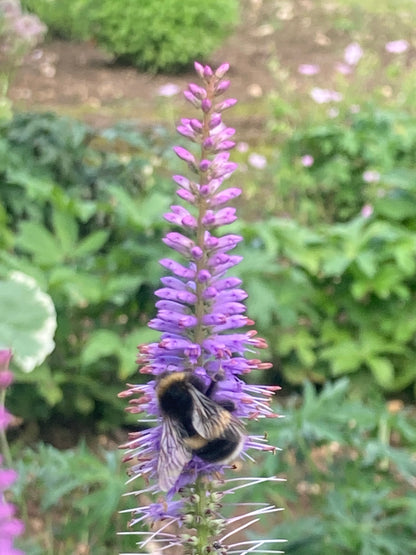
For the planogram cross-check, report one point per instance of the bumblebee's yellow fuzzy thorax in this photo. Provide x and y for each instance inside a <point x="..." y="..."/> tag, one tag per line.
<point x="168" y="379"/>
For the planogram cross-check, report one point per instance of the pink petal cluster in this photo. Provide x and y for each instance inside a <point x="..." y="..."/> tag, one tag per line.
<point x="323" y="96"/>
<point x="371" y="176"/>
<point x="397" y="46"/>
<point x="367" y="211"/>
<point x="353" y="54"/>
<point x="307" y="160"/>
<point x="309" y="69"/>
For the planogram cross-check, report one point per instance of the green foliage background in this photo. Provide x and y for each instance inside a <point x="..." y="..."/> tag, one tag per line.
<point x="334" y="295"/>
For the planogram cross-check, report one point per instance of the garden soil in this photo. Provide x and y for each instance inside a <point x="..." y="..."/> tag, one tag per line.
<point x="80" y="80"/>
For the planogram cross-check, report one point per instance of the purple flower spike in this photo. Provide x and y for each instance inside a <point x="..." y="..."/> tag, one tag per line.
<point x="196" y="395"/>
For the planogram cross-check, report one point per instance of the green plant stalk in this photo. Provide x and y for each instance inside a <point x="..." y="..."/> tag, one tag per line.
<point x="384" y="437"/>
<point x="4" y="445"/>
<point x="205" y="527"/>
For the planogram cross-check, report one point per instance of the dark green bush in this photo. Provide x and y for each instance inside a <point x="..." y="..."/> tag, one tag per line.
<point x="162" y="36"/>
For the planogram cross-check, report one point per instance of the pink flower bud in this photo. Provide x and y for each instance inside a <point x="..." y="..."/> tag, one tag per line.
<point x="222" y="70"/>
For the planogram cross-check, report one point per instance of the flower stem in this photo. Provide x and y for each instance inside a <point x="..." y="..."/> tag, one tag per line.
<point x="205" y="523"/>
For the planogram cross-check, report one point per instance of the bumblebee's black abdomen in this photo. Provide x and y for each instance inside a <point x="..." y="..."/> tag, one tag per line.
<point x="218" y="450"/>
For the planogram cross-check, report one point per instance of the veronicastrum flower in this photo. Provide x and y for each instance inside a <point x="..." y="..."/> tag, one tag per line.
<point x="200" y="315"/>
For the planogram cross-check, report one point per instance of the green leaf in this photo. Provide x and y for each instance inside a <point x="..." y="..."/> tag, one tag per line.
<point x="28" y="320"/>
<point x="367" y="263"/>
<point x="128" y="350"/>
<point x="100" y="344"/>
<point x="38" y="241"/>
<point x="383" y="370"/>
<point x="91" y="244"/>
<point x="66" y="230"/>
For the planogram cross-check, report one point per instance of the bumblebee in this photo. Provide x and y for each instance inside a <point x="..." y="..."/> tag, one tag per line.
<point x="193" y="424"/>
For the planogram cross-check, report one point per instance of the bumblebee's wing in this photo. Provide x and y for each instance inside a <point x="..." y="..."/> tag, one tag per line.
<point x="208" y="417"/>
<point x="173" y="454"/>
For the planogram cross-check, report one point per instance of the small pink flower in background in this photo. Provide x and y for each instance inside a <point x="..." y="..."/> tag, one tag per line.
<point x="397" y="46"/>
<point x="307" y="160"/>
<point x="10" y="8"/>
<point x="342" y="68"/>
<point x="322" y="96"/>
<point x="353" y="54"/>
<point x="258" y="161"/>
<point x="355" y="108"/>
<point x="29" y="27"/>
<point x="367" y="210"/>
<point x="309" y="69"/>
<point x="170" y="89"/>
<point x="333" y="112"/>
<point x="371" y="176"/>
<point x="242" y="146"/>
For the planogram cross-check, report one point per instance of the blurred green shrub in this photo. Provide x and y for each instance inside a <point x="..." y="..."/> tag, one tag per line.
<point x="154" y="36"/>
<point x="82" y="213"/>
<point x="162" y="36"/>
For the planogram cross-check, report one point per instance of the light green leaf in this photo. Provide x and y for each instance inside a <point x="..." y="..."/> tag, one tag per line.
<point x="128" y="351"/>
<point x="37" y="240"/>
<point x="66" y="230"/>
<point x="100" y="344"/>
<point x="91" y="244"/>
<point x="382" y="370"/>
<point x="28" y="320"/>
<point x="366" y="261"/>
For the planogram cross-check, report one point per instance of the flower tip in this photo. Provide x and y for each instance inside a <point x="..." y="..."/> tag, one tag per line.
<point x="198" y="67"/>
<point x="222" y="70"/>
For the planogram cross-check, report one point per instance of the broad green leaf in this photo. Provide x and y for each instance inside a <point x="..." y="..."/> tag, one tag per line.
<point x="383" y="370"/>
<point x="335" y="263"/>
<point x="38" y="241"/>
<point x="343" y="357"/>
<point x="28" y="320"/>
<point x="367" y="263"/>
<point x="100" y="344"/>
<point x="128" y="350"/>
<point x="66" y="230"/>
<point x="91" y="244"/>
